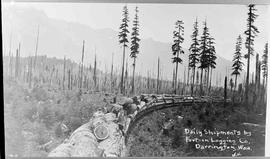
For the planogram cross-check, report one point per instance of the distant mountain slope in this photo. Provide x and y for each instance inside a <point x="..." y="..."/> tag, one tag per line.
<point x="58" y="38"/>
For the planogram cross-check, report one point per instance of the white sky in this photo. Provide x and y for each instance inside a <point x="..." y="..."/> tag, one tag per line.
<point x="226" y="22"/>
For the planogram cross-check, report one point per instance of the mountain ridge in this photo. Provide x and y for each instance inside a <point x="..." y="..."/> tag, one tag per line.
<point x="59" y="38"/>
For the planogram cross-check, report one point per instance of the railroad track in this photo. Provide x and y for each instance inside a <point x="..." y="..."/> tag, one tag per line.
<point x="158" y="102"/>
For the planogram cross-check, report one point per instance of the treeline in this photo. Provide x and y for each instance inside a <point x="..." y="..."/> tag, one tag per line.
<point x="64" y="74"/>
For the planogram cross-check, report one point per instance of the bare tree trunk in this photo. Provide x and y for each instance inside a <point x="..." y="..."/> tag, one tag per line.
<point x="201" y="83"/>
<point x="207" y="82"/>
<point x="176" y="71"/>
<point x="210" y="82"/>
<point x="258" y="73"/>
<point x="24" y="74"/>
<point x="11" y="65"/>
<point x="148" y="80"/>
<point x="257" y="83"/>
<point x="64" y="73"/>
<point x="19" y="61"/>
<point x="235" y="85"/>
<point x="112" y="83"/>
<point x="122" y="74"/>
<point x="95" y="72"/>
<point x="84" y="81"/>
<point x="173" y="79"/>
<point x="69" y="80"/>
<point x="252" y="78"/>
<point x="197" y="82"/>
<point x="36" y="50"/>
<point x="184" y="83"/>
<point x="225" y="90"/>
<point x="17" y="64"/>
<point x="193" y="80"/>
<point x="9" y="71"/>
<point x="56" y="77"/>
<point x="81" y="73"/>
<point x="133" y="76"/>
<point x="158" y="77"/>
<point x="188" y="76"/>
<point x="126" y="83"/>
<point x="30" y="72"/>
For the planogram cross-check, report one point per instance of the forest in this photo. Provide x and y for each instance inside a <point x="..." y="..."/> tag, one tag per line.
<point x="43" y="94"/>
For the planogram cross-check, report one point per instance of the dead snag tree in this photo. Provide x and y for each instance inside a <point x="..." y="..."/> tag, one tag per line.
<point x="69" y="80"/>
<point x="225" y="90"/>
<point x="81" y="70"/>
<point x="30" y="65"/>
<point x="177" y="48"/>
<point x="251" y="32"/>
<point x="134" y="46"/>
<point x="111" y="80"/>
<point x="11" y="64"/>
<point x="265" y="64"/>
<point x="194" y="53"/>
<point x="64" y="73"/>
<point x="17" y="63"/>
<point x="36" y="49"/>
<point x="123" y="40"/>
<point x="95" y="72"/>
<point x="9" y="72"/>
<point x="158" y="71"/>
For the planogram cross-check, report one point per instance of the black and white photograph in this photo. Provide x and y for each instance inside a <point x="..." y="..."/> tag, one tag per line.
<point x="134" y="79"/>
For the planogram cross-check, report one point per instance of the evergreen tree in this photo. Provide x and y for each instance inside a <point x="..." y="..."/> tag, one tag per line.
<point x="123" y="40"/>
<point x="211" y="54"/>
<point x="265" y="63"/>
<point x="177" y="48"/>
<point x="134" y="45"/>
<point x="251" y="32"/>
<point x="194" y="53"/>
<point x="204" y="53"/>
<point x="237" y="63"/>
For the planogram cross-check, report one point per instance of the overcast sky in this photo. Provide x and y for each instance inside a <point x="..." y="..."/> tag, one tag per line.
<point x="225" y="22"/>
